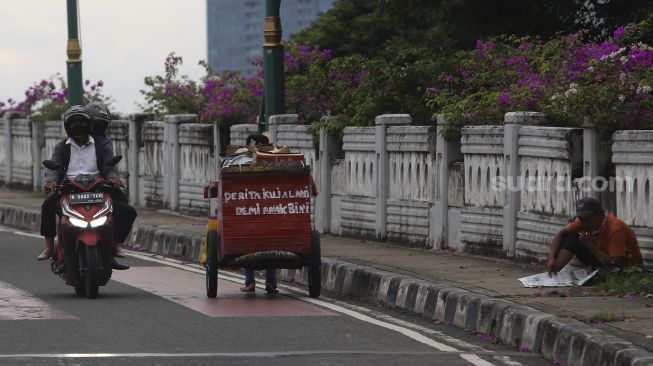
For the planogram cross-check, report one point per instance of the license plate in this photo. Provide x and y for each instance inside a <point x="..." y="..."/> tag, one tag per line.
<point x="85" y="198"/>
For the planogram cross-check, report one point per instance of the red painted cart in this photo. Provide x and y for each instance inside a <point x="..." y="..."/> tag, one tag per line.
<point x="263" y="221"/>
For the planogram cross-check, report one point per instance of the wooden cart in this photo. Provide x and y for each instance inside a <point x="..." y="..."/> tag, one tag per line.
<point x="263" y="220"/>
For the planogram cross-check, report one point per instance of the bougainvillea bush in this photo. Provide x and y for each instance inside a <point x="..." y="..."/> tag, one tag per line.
<point x="315" y="86"/>
<point x="352" y="89"/>
<point x="571" y="81"/>
<point x="48" y="99"/>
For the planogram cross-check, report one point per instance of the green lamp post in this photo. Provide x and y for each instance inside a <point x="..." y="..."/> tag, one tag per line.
<point x="273" y="83"/>
<point x="74" y="62"/>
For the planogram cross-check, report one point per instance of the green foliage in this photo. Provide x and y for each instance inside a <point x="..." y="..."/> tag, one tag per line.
<point x="627" y="283"/>
<point x="566" y="78"/>
<point x="226" y="98"/>
<point x="381" y="28"/>
<point x="356" y="89"/>
<point x="171" y="93"/>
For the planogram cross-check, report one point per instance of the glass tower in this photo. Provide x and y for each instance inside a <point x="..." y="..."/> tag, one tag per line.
<point x="235" y="29"/>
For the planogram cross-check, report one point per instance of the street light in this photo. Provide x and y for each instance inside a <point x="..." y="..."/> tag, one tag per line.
<point x="273" y="83"/>
<point x="74" y="62"/>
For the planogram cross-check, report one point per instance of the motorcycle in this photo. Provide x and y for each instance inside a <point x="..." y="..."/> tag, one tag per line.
<point x="83" y="248"/>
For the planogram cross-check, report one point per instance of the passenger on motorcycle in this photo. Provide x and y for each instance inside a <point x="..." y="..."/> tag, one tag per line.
<point x="81" y="153"/>
<point x="101" y="117"/>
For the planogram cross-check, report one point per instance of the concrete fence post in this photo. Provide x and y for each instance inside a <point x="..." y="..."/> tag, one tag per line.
<point x="172" y="153"/>
<point x="135" y="127"/>
<point x="328" y="148"/>
<point x="383" y="168"/>
<point x="281" y="119"/>
<point x="446" y="152"/>
<point x="513" y="122"/>
<point x="38" y="142"/>
<point x="590" y="158"/>
<point x="9" y="150"/>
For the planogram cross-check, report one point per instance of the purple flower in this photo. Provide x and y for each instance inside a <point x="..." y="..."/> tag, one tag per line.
<point x="526" y="47"/>
<point x="87" y="82"/>
<point x="524" y="350"/>
<point x="618" y="33"/>
<point x="432" y="90"/>
<point x="480" y="52"/>
<point x="504" y="98"/>
<point x="326" y="55"/>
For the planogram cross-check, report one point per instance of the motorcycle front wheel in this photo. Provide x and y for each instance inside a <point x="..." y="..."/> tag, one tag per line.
<point x="92" y="275"/>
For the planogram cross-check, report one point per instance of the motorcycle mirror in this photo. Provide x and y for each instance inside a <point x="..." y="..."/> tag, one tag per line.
<point x="52" y="165"/>
<point x="116" y="159"/>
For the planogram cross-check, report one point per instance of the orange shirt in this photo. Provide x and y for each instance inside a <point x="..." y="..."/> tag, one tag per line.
<point x="616" y="239"/>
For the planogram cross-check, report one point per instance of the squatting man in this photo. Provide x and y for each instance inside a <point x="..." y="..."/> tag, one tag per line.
<point x="597" y="239"/>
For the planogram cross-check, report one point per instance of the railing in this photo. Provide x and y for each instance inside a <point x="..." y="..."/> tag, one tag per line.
<point x="388" y="182"/>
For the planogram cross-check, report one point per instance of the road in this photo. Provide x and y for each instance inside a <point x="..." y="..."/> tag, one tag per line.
<point x="157" y="313"/>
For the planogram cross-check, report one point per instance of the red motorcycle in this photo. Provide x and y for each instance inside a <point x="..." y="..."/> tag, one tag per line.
<point x="83" y="249"/>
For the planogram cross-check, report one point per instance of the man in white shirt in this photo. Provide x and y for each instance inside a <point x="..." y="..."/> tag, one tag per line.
<point x="80" y="154"/>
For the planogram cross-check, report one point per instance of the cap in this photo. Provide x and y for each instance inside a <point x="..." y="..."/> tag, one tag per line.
<point x="587" y="207"/>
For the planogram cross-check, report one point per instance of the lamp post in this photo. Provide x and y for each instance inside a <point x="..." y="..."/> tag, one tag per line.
<point x="273" y="83"/>
<point x="74" y="62"/>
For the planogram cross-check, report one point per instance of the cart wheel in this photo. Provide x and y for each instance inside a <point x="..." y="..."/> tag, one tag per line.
<point x="315" y="266"/>
<point x="212" y="265"/>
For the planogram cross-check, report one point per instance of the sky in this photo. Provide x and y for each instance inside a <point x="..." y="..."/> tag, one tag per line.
<point x="122" y="42"/>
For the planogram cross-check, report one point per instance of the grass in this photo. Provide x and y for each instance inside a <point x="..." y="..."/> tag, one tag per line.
<point x="607" y="317"/>
<point x="624" y="282"/>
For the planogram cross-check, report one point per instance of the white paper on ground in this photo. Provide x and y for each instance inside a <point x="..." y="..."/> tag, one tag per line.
<point x="578" y="277"/>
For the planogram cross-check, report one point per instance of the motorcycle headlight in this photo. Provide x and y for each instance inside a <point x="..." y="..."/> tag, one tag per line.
<point x="77" y="222"/>
<point x="99" y="221"/>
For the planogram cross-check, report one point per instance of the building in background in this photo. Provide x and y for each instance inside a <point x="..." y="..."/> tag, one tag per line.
<point x="235" y="29"/>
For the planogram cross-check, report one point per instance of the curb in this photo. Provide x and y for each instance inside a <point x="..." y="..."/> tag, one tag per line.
<point x="565" y="341"/>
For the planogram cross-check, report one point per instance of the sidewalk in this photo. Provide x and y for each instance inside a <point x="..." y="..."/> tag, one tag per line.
<point x="418" y="280"/>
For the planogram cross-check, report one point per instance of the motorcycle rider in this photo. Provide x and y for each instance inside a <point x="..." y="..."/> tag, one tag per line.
<point x="79" y="154"/>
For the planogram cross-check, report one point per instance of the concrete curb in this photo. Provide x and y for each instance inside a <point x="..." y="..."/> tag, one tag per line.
<point x="563" y="340"/>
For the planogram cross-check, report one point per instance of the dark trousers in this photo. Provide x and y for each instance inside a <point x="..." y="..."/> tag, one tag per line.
<point x="572" y="243"/>
<point x="123" y="215"/>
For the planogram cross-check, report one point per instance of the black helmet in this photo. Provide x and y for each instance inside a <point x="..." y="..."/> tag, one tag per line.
<point x="76" y="112"/>
<point x="100" y="116"/>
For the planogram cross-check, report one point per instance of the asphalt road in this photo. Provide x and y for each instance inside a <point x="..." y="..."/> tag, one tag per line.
<point x="157" y="313"/>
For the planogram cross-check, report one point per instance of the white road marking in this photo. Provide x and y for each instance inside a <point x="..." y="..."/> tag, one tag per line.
<point x="475" y="360"/>
<point x="216" y="354"/>
<point x="508" y="361"/>
<point x="7" y="230"/>
<point x="403" y="323"/>
<point x="16" y="304"/>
